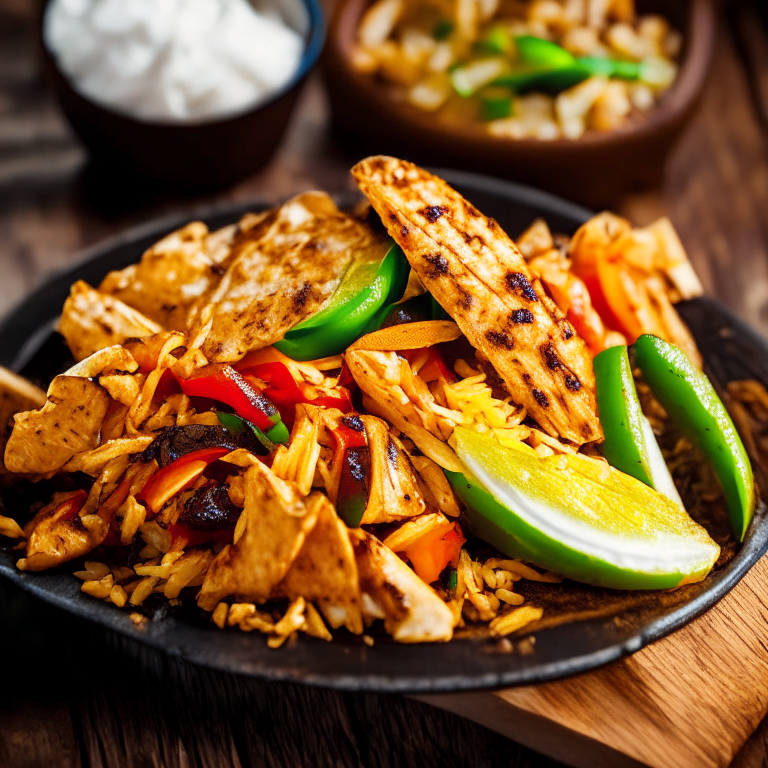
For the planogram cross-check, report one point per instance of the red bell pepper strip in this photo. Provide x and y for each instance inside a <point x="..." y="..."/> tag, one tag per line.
<point x="69" y="508"/>
<point x="431" y="553"/>
<point x="285" y="393"/>
<point x="352" y="462"/>
<point x="177" y="477"/>
<point x="225" y="385"/>
<point x="168" y="385"/>
<point x="350" y="435"/>
<point x="352" y="496"/>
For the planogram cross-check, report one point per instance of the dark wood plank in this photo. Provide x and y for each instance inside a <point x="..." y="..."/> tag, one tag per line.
<point x="74" y="695"/>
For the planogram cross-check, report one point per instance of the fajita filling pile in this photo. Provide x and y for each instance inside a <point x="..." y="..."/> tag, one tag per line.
<point x="316" y="419"/>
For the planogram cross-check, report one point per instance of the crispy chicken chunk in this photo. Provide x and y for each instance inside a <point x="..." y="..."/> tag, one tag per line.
<point x="92" y="320"/>
<point x="412" y="611"/>
<point x="480" y="278"/>
<point x="173" y="274"/>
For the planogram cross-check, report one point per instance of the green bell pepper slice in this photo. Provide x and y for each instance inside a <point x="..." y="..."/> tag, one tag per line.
<point x="236" y="425"/>
<point x="496" y="41"/>
<point x="367" y="286"/>
<point x="630" y="444"/>
<point x="693" y="405"/>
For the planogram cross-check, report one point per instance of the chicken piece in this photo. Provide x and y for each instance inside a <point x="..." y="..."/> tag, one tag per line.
<point x="480" y="278"/>
<point x="56" y="535"/>
<point x="269" y="535"/>
<point x="412" y="611"/>
<point x="392" y="391"/>
<point x="16" y="395"/>
<point x="91" y="321"/>
<point x="325" y="572"/>
<point x="281" y="276"/>
<point x="172" y="274"/>
<point x="394" y="492"/>
<point x="69" y="422"/>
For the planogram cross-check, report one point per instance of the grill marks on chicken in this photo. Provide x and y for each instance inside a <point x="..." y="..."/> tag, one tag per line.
<point x="480" y="278"/>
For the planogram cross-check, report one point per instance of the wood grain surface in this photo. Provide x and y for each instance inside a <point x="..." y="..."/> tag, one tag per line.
<point x="76" y="696"/>
<point x="691" y="700"/>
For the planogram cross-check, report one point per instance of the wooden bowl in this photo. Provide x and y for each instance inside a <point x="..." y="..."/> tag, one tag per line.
<point x="208" y="154"/>
<point x="594" y="170"/>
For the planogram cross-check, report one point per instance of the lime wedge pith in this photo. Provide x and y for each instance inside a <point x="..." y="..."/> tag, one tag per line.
<point x="578" y="517"/>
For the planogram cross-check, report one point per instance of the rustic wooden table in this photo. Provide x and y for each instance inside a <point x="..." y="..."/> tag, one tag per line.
<point x="73" y="695"/>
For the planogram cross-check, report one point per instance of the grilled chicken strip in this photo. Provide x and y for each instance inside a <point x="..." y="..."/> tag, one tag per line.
<point x="479" y="277"/>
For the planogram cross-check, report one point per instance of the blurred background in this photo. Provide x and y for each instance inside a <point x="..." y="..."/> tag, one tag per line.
<point x="55" y="201"/>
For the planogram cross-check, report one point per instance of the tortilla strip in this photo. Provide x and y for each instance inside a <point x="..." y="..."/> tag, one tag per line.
<point x="269" y="536"/>
<point x="412" y="611"/>
<point x="16" y="395"/>
<point x="172" y="274"/>
<point x="325" y="572"/>
<point x="281" y="276"/>
<point x="478" y="275"/>
<point x="69" y="422"/>
<point x="91" y="321"/>
<point x="425" y="333"/>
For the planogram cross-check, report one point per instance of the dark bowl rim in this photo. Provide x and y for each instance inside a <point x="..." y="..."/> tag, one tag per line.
<point x="316" y="36"/>
<point x="678" y="99"/>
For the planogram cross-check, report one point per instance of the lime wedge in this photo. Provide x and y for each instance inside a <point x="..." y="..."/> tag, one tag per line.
<point x="578" y="517"/>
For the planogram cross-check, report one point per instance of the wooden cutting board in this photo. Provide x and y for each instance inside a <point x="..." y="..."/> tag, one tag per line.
<point x="690" y="700"/>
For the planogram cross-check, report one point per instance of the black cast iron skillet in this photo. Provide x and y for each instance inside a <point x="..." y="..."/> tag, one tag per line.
<point x="731" y="350"/>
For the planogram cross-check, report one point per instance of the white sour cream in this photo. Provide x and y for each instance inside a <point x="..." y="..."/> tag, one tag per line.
<point x="172" y="60"/>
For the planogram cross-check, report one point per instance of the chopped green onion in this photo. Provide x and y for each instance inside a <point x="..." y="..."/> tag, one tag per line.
<point x="443" y="30"/>
<point x="496" y="103"/>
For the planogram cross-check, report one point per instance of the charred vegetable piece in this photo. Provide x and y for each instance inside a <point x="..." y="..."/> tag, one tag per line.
<point x="352" y="496"/>
<point x="225" y="385"/>
<point x="243" y="430"/>
<point x="630" y="444"/>
<point x="367" y="286"/>
<point x="693" y="405"/>
<point x="177" y="477"/>
<point x="174" y="442"/>
<point x="568" y="514"/>
<point x="210" y="509"/>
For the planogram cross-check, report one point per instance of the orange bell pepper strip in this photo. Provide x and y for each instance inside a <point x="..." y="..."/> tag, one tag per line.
<point x="431" y="553"/>
<point x="177" y="477"/>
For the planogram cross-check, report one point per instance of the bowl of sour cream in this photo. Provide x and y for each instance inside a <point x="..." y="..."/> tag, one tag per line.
<point x="196" y="92"/>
